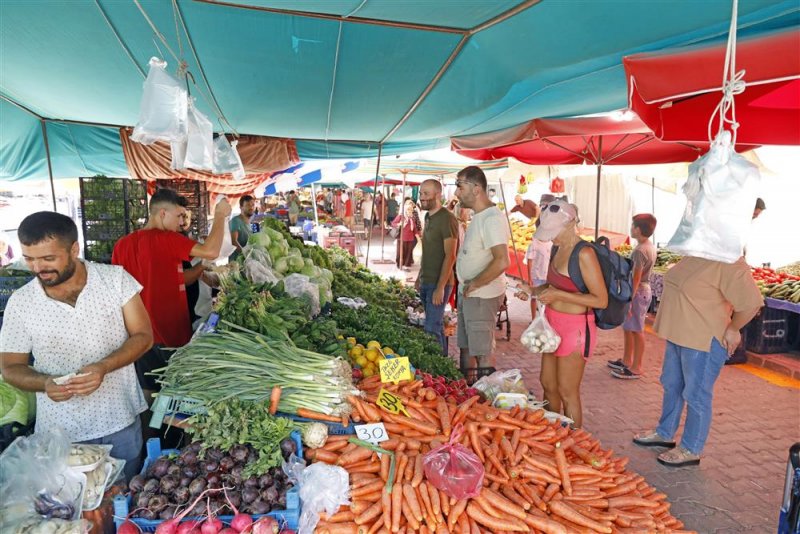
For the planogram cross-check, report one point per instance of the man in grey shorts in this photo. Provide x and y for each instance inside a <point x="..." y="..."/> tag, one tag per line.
<point x="480" y="267"/>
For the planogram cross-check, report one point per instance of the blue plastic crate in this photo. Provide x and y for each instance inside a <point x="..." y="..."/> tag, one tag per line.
<point x="333" y="428"/>
<point x="288" y="518"/>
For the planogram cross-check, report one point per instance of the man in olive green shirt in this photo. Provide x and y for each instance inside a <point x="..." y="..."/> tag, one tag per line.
<point x="439" y="246"/>
<point x="240" y="225"/>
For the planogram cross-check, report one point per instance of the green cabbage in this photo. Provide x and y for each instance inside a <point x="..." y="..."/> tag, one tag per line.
<point x="16" y="406"/>
<point x="296" y="263"/>
<point x="260" y="239"/>
<point x="281" y="265"/>
<point x="273" y="234"/>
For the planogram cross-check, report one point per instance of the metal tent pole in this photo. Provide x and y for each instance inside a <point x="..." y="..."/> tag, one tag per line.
<point x="402" y="211"/>
<point x="597" y="196"/>
<point x="511" y="232"/>
<point x="49" y="163"/>
<point x="314" y="203"/>
<point x="372" y="215"/>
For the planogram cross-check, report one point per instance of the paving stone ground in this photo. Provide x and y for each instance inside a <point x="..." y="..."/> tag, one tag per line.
<point x="738" y="486"/>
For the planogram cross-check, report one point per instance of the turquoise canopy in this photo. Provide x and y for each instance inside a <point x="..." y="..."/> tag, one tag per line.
<point x="342" y="77"/>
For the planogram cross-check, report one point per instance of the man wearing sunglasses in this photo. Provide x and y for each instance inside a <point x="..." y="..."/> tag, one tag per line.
<point x="480" y="267"/>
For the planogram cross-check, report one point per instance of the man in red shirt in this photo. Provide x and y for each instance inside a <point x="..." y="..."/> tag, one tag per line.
<point x="154" y="256"/>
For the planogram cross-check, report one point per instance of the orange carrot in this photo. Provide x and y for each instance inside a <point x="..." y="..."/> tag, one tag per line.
<point x="472" y="431"/>
<point x="563" y="469"/>
<point x="321" y="455"/>
<point x="544" y="524"/>
<point x="562" y="509"/>
<point x="376" y="526"/>
<point x="493" y="523"/>
<point x="400" y="460"/>
<point x="364" y="467"/>
<point x="409" y="515"/>
<point x="444" y="416"/>
<point x="310" y="414"/>
<point x="463" y="524"/>
<point x="442" y="529"/>
<point x="386" y="506"/>
<point x="397" y="507"/>
<point x="506" y="448"/>
<point x="425" y="500"/>
<point x="519" y="453"/>
<point x="373" y="497"/>
<point x="551" y="490"/>
<point x="511" y="494"/>
<point x="345" y="516"/>
<point x="444" y="502"/>
<point x="274" y="399"/>
<point x="418" y="472"/>
<point x="515" y="439"/>
<point x="338" y="528"/>
<point x="622" y="489"/>
<point x="386" y="462"/>
<point x="433" y="495"/>
<point x="367" y="489"/>
<point x="422" y="426"/>
<point x="370" y="514"/>
<point x="462" y="410"/>
<point x="455" y="511"/>
<point x="413" y="503"/>
<point x="481" y="501"/>
<point x="358" y="506"/>
<point x="359" y="454"/>
<point x="334" y="446"/>
<point x="361" y="481"/>
<point x="532" y="495"/>
<point x="501" y="503"/>
<point x="631" y="502"/>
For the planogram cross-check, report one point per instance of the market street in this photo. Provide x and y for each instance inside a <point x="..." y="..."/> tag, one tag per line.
<point x="739" y="484"/>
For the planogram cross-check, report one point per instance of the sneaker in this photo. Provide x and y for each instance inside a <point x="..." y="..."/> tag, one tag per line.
<point x="679" y="457"/>
<point x="615" y="364"/>
<point x="625" y="373"/>
<point x="652" y="439"/>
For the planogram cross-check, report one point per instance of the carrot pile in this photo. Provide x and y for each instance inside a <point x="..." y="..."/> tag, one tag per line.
<point x="539" y="476"/>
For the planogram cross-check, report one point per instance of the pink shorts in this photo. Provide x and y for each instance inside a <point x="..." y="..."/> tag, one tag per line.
<point x="572" y="330"/>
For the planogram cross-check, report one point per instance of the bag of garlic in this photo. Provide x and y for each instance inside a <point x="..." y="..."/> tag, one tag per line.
<point x="539" y="337"/>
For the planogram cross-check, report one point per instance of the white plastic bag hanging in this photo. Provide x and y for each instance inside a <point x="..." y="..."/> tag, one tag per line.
<point x="163" y="109"/>
<point x="199" y="141"/>
<point x="720" y="194"/>
<point x="226" y="158"/>
<point x="540" y="337"/>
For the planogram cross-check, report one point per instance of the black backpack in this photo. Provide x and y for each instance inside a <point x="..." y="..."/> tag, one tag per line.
<point x="618" y="275"/>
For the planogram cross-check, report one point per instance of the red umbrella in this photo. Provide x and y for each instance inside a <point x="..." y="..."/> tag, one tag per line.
<point x="675" y="92"/>
<point x="622" y="140"/>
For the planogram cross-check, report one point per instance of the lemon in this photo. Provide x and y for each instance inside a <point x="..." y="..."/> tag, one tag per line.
<point x="368" y="372"/>
<point x="350" y="340"/>
<point x="371" y="354"/>
<point x="362" y="361"/>
<point x="373" y="344"/>
<point x="357" y="351"/>
<point x="340" y="336"/>
<point x="387" y="350"/>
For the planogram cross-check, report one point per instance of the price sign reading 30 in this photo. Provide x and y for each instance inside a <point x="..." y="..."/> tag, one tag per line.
<point x="391" y="403"/>
<point x="375" y="433"/>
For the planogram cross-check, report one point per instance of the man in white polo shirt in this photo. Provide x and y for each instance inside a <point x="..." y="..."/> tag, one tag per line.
<point x="480" y="267"/>
<point x="82" y="318"/>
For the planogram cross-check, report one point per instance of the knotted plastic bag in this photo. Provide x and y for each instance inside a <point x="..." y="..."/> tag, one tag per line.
<point x="163" y="109"/>
<point x="540" y="337"/>
<point x="297" y="285"/>
<point x="323" y="488"/>
<point x="227" y="248"/>
<point x="199" y="141"/>
<point x="720" y="194"/>
<point x="454" y="469"/>
<point x="226" y="158"/>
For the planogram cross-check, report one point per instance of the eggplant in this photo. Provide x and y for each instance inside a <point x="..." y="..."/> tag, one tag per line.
<point x="197" y="486"/>
<point x="168" y="484"/>
<point x="226" y="463"/>
<point x="249" y="495"/>
<point x="160" y="467"/>
<point x="137" y="483"/>
<point x="181" y="495"/>
<point x="288" y="447"/>
<point x="151" y="486"/>
<point x="265" y="481"/>
<point x="260" y="507"/>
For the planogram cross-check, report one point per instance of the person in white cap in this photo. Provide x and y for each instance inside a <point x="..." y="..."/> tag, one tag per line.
<point x="569" y="312"/>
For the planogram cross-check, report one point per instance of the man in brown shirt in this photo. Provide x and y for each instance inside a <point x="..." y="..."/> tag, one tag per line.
<point x="704" y="305"/>
<point x="439" y="245"/>
<point x="526" y="207"/>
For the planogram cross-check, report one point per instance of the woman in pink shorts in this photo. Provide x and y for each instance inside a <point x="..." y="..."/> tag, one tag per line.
<point x="568" y="311"/>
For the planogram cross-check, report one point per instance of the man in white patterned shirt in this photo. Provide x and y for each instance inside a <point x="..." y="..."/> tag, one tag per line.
<point x="77" y="317"/>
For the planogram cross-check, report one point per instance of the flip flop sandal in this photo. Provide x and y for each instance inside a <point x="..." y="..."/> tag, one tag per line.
<point x="679" y="457"/>
<point x="652" y="439"/>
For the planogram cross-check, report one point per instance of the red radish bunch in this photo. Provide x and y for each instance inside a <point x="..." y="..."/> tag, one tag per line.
<point x="453" y="390"/>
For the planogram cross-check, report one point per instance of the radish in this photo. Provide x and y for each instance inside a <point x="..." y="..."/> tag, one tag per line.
<point x="265" y="525"/>
<point x="189" y="527"/>
<point x="240" y="521"/>
<point x="228" y="530"/>
<point x="170" y="526"/>
<point x="128" y="526"/>
<point x="211" y="525"/>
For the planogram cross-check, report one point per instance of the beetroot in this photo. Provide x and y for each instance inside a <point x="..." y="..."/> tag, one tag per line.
<point x="128" y="527"/>
<point x="240" y="521"/>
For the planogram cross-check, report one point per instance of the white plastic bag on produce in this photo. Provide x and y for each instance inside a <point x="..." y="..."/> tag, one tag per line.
<point x="298" y="284"/>
<point x="226" y="158"/>
<point x="509" y="381"/>
<point x="227" y="247"/>
<point x="199" y="141"/>
<point x="35" y="524"/>
<point x="35" y="478"/>
<point x="259" y="272"/>
<point x="539" y="337"/>
<point x="163" y="109"/>
<point x="721" y="191"/>
<point x="323" y="488"/>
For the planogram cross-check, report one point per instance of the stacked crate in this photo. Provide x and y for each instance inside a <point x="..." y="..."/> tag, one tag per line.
<point x="196" y="193"/>
<point x="110" y="209"/>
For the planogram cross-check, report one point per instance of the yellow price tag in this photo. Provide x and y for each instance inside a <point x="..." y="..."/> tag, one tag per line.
<point x="391" y="403"/>
<point x="395" y="369"/>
